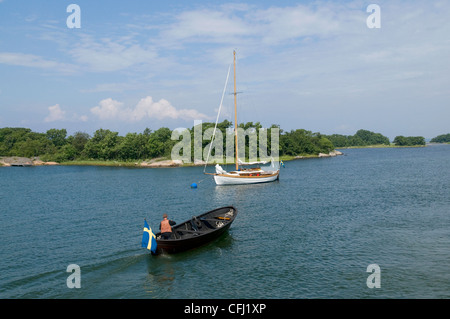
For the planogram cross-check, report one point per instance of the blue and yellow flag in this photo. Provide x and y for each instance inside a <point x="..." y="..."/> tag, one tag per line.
<point x="282" y="164"/>
<point x="148" y="238"/>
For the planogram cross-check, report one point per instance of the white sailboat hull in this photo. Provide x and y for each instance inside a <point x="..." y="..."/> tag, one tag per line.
<point x="228" y="179"/>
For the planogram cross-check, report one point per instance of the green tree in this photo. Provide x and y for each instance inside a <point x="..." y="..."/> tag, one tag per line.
<point x="371" y="138"/>
<point x="9" y="136"/>
<point x="102" y="145"/>
<point x="325" y="145"/>
<point x="57" y="137"/>
<point x="133" y="146"/>
<point x="29" y="148"/>
<point x="66" y="153"/>
<point x="298" y="142"/>
<point x="339" y="140"/>
<point x="361" y="138"/>
<point x="160" y="143"/>
<point x="24" y="142"/>
<point x="444" y="138"/>
<point x="79" y="140"/>
<point x="400" y="140"/>
<point x="409" y="140"/>
<point x="147" y="132"/>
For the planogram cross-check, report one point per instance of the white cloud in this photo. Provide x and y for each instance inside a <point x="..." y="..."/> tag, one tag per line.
<point x="162" y="109"/>
<point x="109" y="109"/>
<point x="207" y="25"/>
<point x="269" y="26"/>
<point x="277" y="25"/>
<point x="30" y="60"/>
<point x="56" y="114"/>
<point x="106" y="55"/>
<point x="148" y="108"/>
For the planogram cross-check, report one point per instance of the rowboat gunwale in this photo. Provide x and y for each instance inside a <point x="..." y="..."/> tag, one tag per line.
<point x="199" y="237"/>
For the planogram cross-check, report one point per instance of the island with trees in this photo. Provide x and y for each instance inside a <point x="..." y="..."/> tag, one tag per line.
<point x="409" y="140"/>
<point x="444" y="138"/>
<point x="106" y="147"/>
<point x="361" y="138"/>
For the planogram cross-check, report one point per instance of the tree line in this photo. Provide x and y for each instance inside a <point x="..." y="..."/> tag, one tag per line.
<point x="361" y="138"/>
<point x="444" y="138"/>
<point x="366" y="138"/>
<point x="104" y="144"/>
<point x="409" y="140"/>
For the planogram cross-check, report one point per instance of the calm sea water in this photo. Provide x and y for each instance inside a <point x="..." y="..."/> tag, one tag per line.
<point x="310" y="235"/>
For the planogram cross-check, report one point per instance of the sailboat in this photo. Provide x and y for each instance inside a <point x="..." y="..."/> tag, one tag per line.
<point x="242" y="175"/>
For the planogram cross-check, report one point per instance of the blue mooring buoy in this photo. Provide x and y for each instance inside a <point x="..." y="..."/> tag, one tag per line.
<point x="193" y="185"/>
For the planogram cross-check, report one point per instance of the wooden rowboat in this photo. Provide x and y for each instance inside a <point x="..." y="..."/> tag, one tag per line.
<point x="197" y="231"/>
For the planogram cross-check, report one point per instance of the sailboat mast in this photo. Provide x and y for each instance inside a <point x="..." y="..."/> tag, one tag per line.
<point x="235" y="112"/>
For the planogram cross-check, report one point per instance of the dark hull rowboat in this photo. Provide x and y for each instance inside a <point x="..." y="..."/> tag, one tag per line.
<point x="197" y="231"/>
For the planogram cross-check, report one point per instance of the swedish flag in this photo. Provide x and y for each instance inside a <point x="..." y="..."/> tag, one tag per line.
<point x="282" y="164"/>
<point x="148" y="238"/>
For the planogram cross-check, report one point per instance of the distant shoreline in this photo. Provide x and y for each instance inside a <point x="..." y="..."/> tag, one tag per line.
<point x="154" y="163"/>
<point x="6" y="161"/>
<point x="382" y="146"/>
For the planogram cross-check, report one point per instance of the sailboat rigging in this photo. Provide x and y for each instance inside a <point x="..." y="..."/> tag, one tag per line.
<point x="241" y="175"/>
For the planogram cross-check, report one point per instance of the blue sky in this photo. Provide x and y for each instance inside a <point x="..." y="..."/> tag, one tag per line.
<point x="301" y="64"/>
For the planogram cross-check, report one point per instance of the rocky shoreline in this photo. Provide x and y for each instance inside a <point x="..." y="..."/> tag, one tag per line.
<point x="24" y="161"/>
<point x="154" y="163"/>
<point x="164" y="163"/>
<point x="331" y="154"/>
<point x="179" y="163"/>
